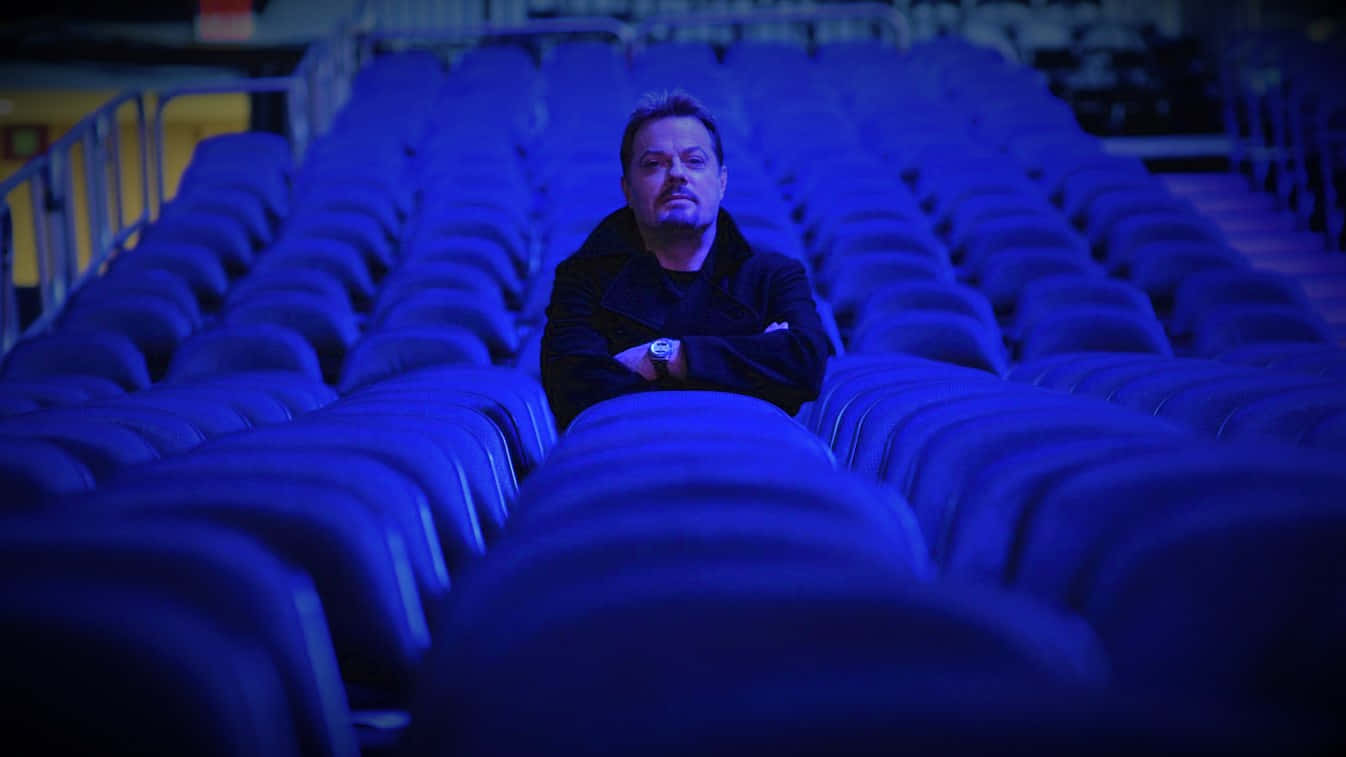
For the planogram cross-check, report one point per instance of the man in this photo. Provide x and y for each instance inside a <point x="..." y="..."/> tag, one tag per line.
<point x="666" y="294"/>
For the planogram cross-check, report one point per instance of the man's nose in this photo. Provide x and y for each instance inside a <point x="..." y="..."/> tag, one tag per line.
<point x="676" y="169"/>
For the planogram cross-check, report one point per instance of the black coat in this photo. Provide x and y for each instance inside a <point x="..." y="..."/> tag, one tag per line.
<point x="612" y="294"/>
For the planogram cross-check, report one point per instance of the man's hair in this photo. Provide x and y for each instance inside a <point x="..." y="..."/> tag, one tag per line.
<point x="666" y="104"/>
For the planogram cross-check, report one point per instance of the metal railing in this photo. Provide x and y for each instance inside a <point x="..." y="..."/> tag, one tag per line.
<point x="877" y="13"/>
<point x="315" y="90"/>
<point x="50" y="179"/>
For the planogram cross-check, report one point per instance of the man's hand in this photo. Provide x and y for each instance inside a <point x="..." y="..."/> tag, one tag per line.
<point x="637" y="360"/>
<point x="776" y="327"/>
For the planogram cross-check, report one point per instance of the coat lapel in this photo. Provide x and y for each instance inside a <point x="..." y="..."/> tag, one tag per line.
<point x="640" y="291"/>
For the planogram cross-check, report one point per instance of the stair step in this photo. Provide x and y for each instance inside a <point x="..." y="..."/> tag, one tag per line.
<point x="1296" y="265"/>
<point x="1205" y="183"/>
<point x="1254" y="243"/>
<point x="1254" y="222"/>
<point x="1328" y="286"/>
<point x="1250" y="202"/>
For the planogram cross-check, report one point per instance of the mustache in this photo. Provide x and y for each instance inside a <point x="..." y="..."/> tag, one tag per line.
<point x="677" y="192"/>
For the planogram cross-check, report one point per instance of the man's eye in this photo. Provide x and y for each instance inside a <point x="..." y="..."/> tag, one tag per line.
<point x="696" y="162"/>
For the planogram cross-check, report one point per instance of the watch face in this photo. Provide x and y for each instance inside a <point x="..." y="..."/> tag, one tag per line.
<point x="661" y="348"/>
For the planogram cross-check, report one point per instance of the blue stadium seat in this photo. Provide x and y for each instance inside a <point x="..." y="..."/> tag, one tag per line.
<point x="349" y="227"/>
<point x="107" y="355"/>
<point x="328" y="328"/>
<point x="1004" y="274"/>
<point x="227" y="240"/>
<point x="196" y="689"/>
<point x="513" y="400"/>
<point x="1129" y="234"/>
<point x="429" y="308"/>
<point x="1251" y="529"/>
<point x="33" y="469"/>
<point x="1287" y="416"/>
<point x="106" y="574"/>
<point x="387" y="353"/>
<point x="290" y="279"/>
<point x="463" y="432"/>
<point x="927" y="295"/>
<point x="1204" y="405"/>
<point x="484" y="254"/>
<point x="982" y="541"/>
<point x="968" y="440"/>
<point x="440" y="476"/>
<point x="150" y="282"/>
<point x="1094" y="328"/>
<point x="410" y="278"/>
<point x="102" y="447"/>
<point x="1042" y="298"/>
<point x="331" y="256"/>
<point x="945" y="336"/>
<point x="1159" y="268"/>
<point x="155" y="324"/>
<point x="193" y="263"/>
<point x="167" y="432"/>
<point x="1225" y="327"/>
<point x="355" y="557"/>
<point x="1201" y="290"/>
<point x="243" y="207"/>
<point x="60" y="389"/>
<point x="239" y="348"/>
<point x="382" y="489"/>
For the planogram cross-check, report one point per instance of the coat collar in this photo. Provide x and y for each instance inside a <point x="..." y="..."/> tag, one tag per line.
<point x="641" y="291"/>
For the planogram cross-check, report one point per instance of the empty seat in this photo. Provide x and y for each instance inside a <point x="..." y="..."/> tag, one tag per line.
<point x="1205" y="405"/>
<point x="1201" y="290"/>
<point x="439" y="475"/>
<point x="32" y="470"/>
<point x="433" y="308"/>
<point x="944" y="336"/>
<point x="105" y="354"/>
<point x="1093" y="328"/>
<point x="1224" y="327"/>
<point x="101" y="447"/>
<point x="242" y="348"/>
<point x="413" y="277"/>
<point x="155" y="581"/>
<point x="193" y="263"/>
<point x="1159" y="268"/>
<point x="155" y="324"/>
<point x="1253" y="530"/>
<point x="1042" y="298"/>
<point x="1289" y="416"/>
<point x="512" y="399"/>
<point x="355" y="557"/>
<point x="157" y="283"/>
<point x="1003" y="276"/>
<point x="332" y="256"/>
<point x="390" y="352"/>
<point x="329" y="329"/>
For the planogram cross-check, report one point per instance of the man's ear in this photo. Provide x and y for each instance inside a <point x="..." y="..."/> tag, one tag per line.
<point x="724" y="179"/>
<point x="626" y="190"/>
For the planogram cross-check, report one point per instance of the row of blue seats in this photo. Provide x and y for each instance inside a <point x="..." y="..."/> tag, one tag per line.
<point x="1052" y="584"/>
<point x="1063" y="573"/>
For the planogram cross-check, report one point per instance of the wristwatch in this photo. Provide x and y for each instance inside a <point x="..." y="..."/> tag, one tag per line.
<point x="661" y="351"/>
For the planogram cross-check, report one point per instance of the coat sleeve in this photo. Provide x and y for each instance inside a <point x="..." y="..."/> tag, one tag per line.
<point x="577" y="370"/>
<point x="783" y="367"/>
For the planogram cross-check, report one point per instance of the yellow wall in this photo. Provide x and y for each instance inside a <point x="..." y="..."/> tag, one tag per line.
<point x="187" y="120"/>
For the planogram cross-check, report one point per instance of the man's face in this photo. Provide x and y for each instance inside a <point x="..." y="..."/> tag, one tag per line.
<point x="674" y="182"/>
